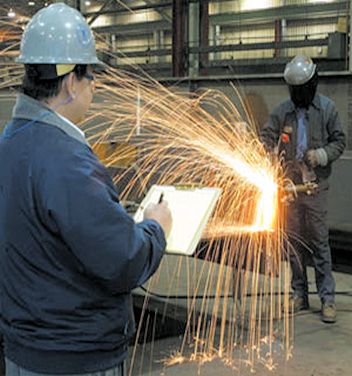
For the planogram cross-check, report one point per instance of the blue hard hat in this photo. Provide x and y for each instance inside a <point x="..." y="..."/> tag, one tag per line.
<point x="58" y="34"/>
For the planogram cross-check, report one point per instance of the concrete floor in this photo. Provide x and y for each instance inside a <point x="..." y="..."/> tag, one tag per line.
<point x="318" y="349"/>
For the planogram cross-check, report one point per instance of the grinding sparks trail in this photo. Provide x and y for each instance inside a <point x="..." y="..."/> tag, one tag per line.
<point x="264" y="181"/>
<point x="235" y="297"/>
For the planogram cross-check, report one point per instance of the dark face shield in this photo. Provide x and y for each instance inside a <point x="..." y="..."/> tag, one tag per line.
<point x="302" y="95"/>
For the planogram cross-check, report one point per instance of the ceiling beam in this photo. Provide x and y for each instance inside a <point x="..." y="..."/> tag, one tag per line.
<point x="232" y="47"/>
<point x="161" y="11"/>
<point x="283" y="12"/>
<point x="135" y="28"/>
<point x="261" y="45"/>
<point x="125" y="10"/>
<point x="97" y="14"/>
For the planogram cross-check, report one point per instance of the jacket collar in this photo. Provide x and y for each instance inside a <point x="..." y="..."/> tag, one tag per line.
<point x="316" y="103"/>
<point x="30" y="109"/>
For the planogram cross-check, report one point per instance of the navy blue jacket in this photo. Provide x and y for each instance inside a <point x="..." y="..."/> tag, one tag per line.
<point x="69" y="253"/>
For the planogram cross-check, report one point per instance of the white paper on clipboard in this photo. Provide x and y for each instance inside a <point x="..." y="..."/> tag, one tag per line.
<point x="191" y="209"/>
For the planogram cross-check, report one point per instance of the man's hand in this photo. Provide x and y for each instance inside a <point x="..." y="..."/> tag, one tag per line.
<point x="316" y="157"/>
<point x="160" y="213"/>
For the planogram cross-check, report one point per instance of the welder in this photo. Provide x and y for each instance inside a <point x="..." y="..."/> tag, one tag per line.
<point x="307" y="132"/>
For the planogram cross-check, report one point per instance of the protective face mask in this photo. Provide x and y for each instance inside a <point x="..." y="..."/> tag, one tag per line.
<point x="302" y="95"/>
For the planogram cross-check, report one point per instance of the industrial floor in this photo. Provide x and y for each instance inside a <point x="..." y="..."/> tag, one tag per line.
<point x="319" y="349"/>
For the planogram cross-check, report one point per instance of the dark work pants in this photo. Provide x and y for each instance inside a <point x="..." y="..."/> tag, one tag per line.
<point x="308" y="231"/>
<point x="2" y="359"/>
<point x="12" y="369"/>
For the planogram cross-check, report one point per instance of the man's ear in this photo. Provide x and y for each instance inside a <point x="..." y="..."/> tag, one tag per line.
<point x="70" y="85"/>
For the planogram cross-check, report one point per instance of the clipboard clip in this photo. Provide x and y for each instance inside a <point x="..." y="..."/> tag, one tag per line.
<point x="187" y="186"/>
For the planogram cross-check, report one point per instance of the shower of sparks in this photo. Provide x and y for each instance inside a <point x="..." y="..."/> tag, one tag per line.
<point x="201" y="139"/>
<point x="158" y="135"/>
<point x="189" y="139"/>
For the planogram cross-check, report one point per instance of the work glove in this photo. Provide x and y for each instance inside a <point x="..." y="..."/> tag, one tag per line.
<point x="316" y="157"/>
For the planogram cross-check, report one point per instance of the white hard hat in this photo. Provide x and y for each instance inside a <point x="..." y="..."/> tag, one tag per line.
<point x="299" y="70"/>
<point x="58" y="34"/>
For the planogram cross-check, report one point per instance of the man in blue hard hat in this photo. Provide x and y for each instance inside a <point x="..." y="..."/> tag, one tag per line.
<point x="307" y="132"/>
<point x="69" y="253"/>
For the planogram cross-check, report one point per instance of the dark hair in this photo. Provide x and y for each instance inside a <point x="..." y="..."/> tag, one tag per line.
<point x="38" y="88"/>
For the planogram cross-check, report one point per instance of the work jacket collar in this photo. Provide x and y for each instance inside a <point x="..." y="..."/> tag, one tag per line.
<point x="29" y="108"/>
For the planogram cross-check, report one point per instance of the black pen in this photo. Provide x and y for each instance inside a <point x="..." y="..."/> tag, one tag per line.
<point x="161" y="198"/>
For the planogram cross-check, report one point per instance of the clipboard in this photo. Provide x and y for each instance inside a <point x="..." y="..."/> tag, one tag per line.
<point x="190" y="207"/>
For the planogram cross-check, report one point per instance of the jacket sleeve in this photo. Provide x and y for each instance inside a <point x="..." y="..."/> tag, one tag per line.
<point x="270" y="133"/>
<point x="336" y="139"/>
<point x="82" y="206"/>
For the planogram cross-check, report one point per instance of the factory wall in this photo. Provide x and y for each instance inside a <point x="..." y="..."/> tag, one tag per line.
<point x="262" y="95"/>
<point x="246" y="31"/>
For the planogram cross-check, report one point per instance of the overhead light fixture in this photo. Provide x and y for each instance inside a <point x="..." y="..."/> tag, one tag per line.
<point x="87" y="3"/>
<point x="11" y="13"/>
<point x="31" y="3"/>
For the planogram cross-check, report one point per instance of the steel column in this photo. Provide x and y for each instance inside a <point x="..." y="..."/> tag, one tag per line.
<point x="179" y="37"/>
<point x="204" y="35"/>
<point x="278" y="38"/>
<point x="350" y="38"/>
<point x="193" y="38"/>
